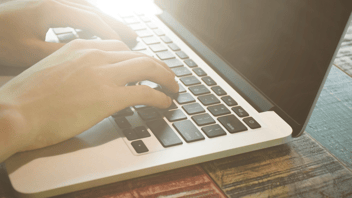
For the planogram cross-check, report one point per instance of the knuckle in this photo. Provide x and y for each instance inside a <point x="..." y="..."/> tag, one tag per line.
<point x="93" y="16"/>
<point x="93" y="55"/>
<point x="149" y="63"/>
<point x="95" y="52"/>
<point x="79" y="43"/>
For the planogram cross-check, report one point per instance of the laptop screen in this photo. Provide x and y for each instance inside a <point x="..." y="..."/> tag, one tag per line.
<point x="283" y="48"/>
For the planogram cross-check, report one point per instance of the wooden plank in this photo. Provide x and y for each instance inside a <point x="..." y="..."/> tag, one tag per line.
<point x="331" y="121"/>
<point x="190" y="181"/>
<point x="301" y="168"/>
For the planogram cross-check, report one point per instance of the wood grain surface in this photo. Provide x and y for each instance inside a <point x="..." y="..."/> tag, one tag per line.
<point x="185" y="182"/>
<point x="301" y="168"/>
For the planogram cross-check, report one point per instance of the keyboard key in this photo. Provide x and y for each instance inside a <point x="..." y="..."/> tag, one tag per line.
<point x="157" y="47"/>
<point x="218" y="90"/>
<point x="182" y="55"/>
<point x="141" y="132"/>
<point x="199" y="90"/>
<point x="190" y="80"/>
<point x="218" y="110"/>
<point x="181" y="88"/>
<point x="229" y="101"/>
<point x="130" y="134"/>
<point x="191" y="63"/>
<point x="253" y="124"/>
<point x="165" y="55"/>
<point x="175" y="115"/>
<point x="131" y="20"/>
<point x="208" y="99"/>
<point x="166" y="39"/>
<point x="209" y="81"/>
<point x="124" y="112"/>
<point x="144" y="33"/>
<point x="138" y="26"/>
<point x="213" y="131"/>
<point x="151" y="84"/>
<point x="193" y="108"/>
<point x="151" y="40"/>
<point x="240" y="111"/>
<point x="203" y="119"/>
<point x="122" y="122"/>
<point x="148" y="113"/>
<point x="173" y="63"/>
<point x="144" y="19"/>
<point x="164" y="133"/>
<point x="199" y="71"/>
<point x="65" y="38"/>
<point x="139" y="146"/>
<point x="232" y="124"/>
<point x="126" y="14"/>
<point x="140" y="46"/>
<point x="151" y="25"/>
<point x="139" y="12"/>
<point x="185" y="98"/>
<point x="173" y="46"/>
<point x="62" y="30"/>
<point x="140" y="106"/>
<point x="181" y="71"/>
<point x="159" y="32"/>
<point x="172" y="106"/>
<point x="84" y="34"/>
<point x="188" y="131"/>
<point x="146" y="52"/>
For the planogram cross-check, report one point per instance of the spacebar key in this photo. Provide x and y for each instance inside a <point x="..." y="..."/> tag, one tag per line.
<point x="165" y="134"/>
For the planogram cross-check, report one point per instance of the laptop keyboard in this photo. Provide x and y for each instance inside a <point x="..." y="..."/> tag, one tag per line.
<point x="204" y="109"/>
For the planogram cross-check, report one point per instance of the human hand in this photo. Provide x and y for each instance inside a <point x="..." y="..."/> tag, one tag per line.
<point x="73" y="89"/>
<point x="24" y="25"/>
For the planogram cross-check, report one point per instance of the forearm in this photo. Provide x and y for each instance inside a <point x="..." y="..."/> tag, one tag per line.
<point x="12" y="131"/>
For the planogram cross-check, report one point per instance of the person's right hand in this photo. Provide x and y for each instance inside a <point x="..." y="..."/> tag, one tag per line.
<point x="73" y="89"/>
<point x="24" y="25"/>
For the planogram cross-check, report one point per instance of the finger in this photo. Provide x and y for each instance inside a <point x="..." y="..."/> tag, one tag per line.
<point x="83" y="2"/>
<point x="105" y="45"/>
<point x="113" y="56"/>
<point x="139" y="69"/>
<point x="80" y="5"/>
<point x="125" y="32"/>
<point x="47" y="48"/>
<point x="142" y="95"/>
<point x="78" y="18"/>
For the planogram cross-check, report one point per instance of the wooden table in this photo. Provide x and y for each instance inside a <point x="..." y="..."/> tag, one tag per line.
<point x="317" y="164"/>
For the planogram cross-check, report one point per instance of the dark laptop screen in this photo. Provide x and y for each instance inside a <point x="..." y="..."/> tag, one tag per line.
<point x="283" y="48"/>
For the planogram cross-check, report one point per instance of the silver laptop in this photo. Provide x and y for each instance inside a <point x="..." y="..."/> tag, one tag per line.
<point x="250" y="73"/>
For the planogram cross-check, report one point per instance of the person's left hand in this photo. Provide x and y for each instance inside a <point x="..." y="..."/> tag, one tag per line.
<point x="24" y="25"/>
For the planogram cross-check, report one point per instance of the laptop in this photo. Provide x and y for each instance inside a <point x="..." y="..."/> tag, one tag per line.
<point x="250" y="73"/>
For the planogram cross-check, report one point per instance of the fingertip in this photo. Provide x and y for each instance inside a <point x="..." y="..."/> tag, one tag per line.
<point x="168" y="102"/>
<point x="177" y="87"/>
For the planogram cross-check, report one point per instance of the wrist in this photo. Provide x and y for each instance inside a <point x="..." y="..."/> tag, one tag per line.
<point x="13" y="134"/>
